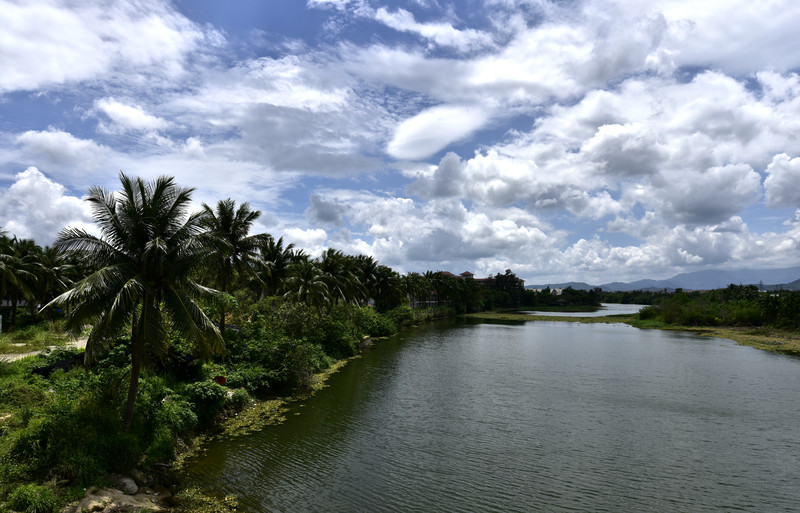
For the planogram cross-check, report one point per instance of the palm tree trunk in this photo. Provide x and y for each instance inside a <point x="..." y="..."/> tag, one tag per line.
<point x="137" y="355"/>
<point x="133" y="389"/>
<point x="14" y="299"/>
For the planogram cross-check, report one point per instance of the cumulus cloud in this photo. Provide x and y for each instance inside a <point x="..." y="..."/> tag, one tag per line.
<point x="36" y="207"/>
<point x="47" y="43"/>
<point x="615" y="134"/>
<point x="325" y="211"/>
<point x="74" y="161"/>
<point x="783" y="181"/>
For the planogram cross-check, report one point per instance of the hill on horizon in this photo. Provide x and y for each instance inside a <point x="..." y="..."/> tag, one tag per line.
<point x="772" y="279"/>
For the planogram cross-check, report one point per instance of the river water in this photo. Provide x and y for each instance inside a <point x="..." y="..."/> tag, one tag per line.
<point x="544" y="416"/>
<point x="605" y="309"/>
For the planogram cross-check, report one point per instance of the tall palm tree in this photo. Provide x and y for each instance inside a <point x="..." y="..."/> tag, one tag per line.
<point x="148" y="248"/>
<point x="18" y="270"/>
<point x="388" y="293"/>
<point x="367" y="274"/>
<point x="307" y="284"/>
<point x="275" y="259"/>
<point x="339" y="274"/>
<point x="234" y="256"/>
<point x="53" y="275"/>
<point x="10" y="269"/>
<point x="418" y="289"/>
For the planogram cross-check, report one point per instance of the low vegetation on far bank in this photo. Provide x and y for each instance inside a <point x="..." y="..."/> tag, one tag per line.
<point x="764" y="320"/>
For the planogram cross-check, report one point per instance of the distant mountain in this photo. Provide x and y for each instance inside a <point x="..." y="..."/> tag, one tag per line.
<point x="577" y="285"/>
<point x="786" y="278"/>
<point x="795" y="285"/>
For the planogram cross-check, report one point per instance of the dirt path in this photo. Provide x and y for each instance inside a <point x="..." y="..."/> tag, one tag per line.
<point x="80" y="344"/>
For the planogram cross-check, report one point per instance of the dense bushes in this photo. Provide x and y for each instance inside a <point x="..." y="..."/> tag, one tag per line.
<point x="736" y="305"/>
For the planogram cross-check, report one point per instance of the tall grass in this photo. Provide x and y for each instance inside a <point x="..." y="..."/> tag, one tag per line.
<point x="33" y="338"/>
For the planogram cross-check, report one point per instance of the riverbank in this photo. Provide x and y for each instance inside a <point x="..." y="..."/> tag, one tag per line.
<point x="767" y="339"/>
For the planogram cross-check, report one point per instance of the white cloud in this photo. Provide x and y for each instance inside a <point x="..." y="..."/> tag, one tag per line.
<point x="737" y="36"/>
<point x="76" y="162"/>
<point x="441" y="33"/>
<point x="126" y="117"/>
<point x="783" y="183"/>
<point x="36" y="207"/>
<point x="46" y="43"/>
<point x="434" y="129"/>
<point x="311" y="240"/>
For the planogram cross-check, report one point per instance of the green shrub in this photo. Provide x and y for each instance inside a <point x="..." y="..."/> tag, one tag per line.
<point x="252" y="377"/>
<point x="648" y="312"/>
<point x="162" y="448"/>
<point x="33" y="498"/>
<point x="295" y="363"/>
<point x="370" y="322"/>
<point x="177" y="414"/>
<point x="208" y="399"/>
<point x="402" y="316"/>
<point x="341" y="340"/>
<point x="238" y="400"/>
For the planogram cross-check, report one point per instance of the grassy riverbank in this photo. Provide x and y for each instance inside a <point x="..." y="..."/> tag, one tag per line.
<point x="767" y="339"/>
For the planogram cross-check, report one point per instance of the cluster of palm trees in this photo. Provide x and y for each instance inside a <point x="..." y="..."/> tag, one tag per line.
<point x="31" y="275"/>
<point x="154" y="258"/>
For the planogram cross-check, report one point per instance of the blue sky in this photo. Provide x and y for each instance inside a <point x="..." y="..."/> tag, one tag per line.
<point x="593" y="140"/>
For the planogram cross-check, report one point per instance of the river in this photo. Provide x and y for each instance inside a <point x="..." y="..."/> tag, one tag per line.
<point x="544" y="416"/>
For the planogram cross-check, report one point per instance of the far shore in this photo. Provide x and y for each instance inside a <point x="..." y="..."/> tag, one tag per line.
<point x="768" y="339"/>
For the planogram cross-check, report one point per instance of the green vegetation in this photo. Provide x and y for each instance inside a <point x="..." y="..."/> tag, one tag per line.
<point x="157" y="373"/>
<point x="32" y="337"/>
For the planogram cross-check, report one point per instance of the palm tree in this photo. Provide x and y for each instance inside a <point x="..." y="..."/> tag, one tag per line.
<point x="54" y="274"/>
<point x="307" y="284"/>
<point x="275" y="260"/>
<point x="147" y="250"/>
<point x="18" y="272"/>
<point x="339" y="273"/>
<point x="234" y="256"/>
<point x="418" y="288"/>
<point x="10" y="269"/>
<point x="387" y="292"/>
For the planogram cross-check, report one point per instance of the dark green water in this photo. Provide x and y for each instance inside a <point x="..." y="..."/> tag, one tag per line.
<point x="535" y="417"/>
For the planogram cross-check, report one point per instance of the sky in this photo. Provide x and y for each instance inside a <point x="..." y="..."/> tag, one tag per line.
<point x="594" y="140"/>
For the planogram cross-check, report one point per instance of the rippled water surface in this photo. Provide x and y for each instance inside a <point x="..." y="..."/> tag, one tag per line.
<point x="535" y="417"/>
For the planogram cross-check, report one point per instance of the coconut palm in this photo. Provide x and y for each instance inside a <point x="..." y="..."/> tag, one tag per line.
<point x="54" y="273"/>
<point x="307" y="284"/>
<point x="18" y="270"/>
<point x="11" y="272"/>
<point x="387" y="291"/>
<point x="234" y="255"/>
<point x="148" y="248"/>
<point x="275" y="259"/>
<point x="340" y="275"/>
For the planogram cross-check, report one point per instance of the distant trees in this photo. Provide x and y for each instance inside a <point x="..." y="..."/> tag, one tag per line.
<point x="735" y="305"/>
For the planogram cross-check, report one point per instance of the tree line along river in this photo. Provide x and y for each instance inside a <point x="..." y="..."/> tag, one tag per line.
<point x="544" y="416"/>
